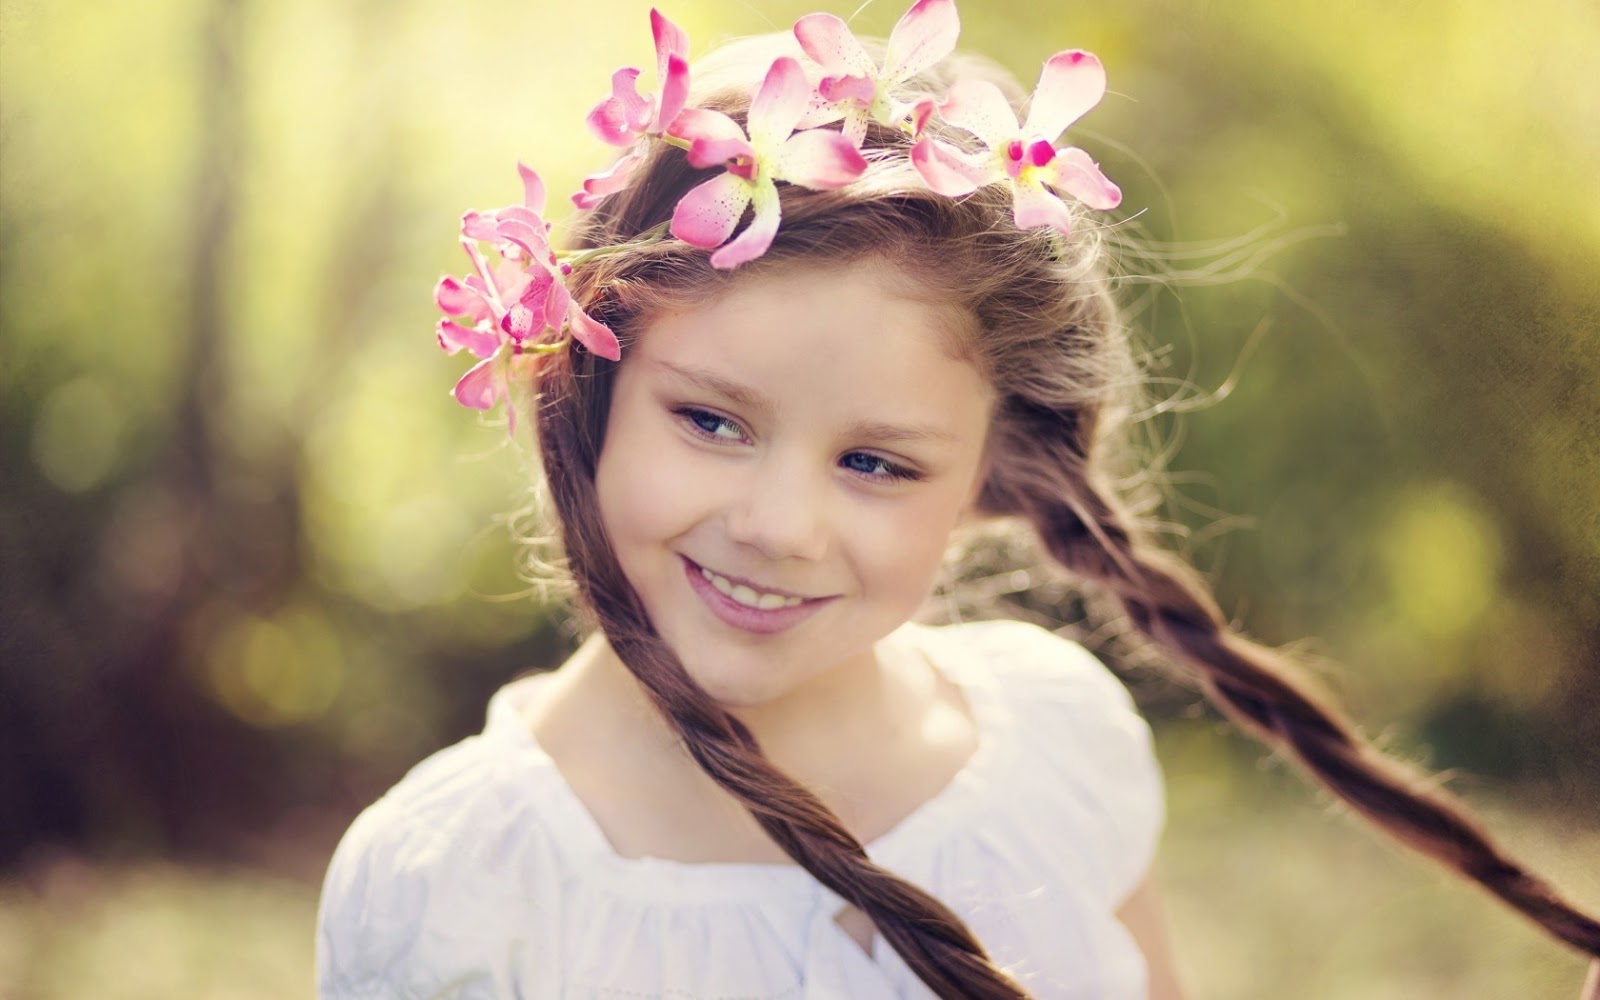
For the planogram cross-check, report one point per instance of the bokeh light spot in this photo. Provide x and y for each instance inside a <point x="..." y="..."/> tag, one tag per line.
<point x="78" y="435"/>
<point x="276" y="672"/>
<point x="1443" y="557"/>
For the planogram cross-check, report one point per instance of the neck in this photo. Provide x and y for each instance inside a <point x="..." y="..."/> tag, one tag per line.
<point x="811" y="731"/>
<point x="875" y="742"/>
<point x="835" y="714"/>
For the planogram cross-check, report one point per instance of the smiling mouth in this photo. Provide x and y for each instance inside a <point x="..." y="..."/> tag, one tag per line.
<point x="745" y="605"/>
<point x="747" y="592"/>
<point x="750" y="597"/>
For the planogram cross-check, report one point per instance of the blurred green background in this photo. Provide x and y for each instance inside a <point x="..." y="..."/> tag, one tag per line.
<point x="255" y="562"/>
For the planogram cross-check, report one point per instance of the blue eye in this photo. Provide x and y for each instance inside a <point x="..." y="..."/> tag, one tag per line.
<point x="875" y="467"/>
<point x="710" y="425"/>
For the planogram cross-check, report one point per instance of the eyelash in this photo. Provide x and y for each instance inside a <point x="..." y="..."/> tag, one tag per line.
<point x="692" y="418"/>
<point x="695" y="418"/>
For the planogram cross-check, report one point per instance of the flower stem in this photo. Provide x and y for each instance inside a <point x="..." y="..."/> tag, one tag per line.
<point x="655" y="234"/>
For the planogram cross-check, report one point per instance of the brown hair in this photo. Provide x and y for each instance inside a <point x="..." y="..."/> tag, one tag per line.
<point x="1052" y="344"/>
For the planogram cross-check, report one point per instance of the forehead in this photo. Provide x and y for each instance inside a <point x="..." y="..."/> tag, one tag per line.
<point x="860" y="332"/>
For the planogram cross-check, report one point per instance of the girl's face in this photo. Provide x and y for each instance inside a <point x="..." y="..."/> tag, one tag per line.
<point x="781" y="471"/>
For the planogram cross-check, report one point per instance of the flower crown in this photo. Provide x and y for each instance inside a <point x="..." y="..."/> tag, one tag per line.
<point x="509" y="312"/>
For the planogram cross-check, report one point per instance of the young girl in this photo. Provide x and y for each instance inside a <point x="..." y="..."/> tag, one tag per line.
<point x="756" y="778"/>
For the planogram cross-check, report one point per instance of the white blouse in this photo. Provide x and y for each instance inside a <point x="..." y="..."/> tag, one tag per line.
<point x="481" y="874"/>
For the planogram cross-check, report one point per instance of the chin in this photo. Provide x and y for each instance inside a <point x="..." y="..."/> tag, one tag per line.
<point x="752" y="677"/>
<point x="740" y="681"/>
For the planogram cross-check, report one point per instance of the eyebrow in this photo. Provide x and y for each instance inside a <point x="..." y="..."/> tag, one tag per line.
<point x="712" y="382"/>
<point x="867" y="430"/>
<point x="877" y="431"/>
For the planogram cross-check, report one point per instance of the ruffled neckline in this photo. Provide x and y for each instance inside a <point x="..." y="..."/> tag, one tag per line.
<point x="908" y="845"/>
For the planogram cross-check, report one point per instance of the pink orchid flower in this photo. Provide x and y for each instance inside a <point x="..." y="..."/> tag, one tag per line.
<point x="514" y="301"/>
<point x="855" y="86"/>
<point x="815" y="158"/>
<point x="626" y="116"/>
<point x="1072" y="83"/>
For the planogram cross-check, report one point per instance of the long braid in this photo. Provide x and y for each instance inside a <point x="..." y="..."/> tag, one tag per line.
<point x="1087" y="530"/>
<point x="932" y="940"/>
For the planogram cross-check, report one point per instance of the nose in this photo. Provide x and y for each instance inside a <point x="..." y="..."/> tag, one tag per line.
<point x="779" y="508"/>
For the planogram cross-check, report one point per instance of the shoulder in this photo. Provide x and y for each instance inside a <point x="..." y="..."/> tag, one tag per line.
<point x="1081" y="754"/>
<point x="1036" y="672"/>
<point x="423" y="883"/>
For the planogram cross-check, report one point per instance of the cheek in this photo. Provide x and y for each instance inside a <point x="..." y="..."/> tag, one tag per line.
<point x="637" y="508"/>
<point x="644" y="492"/>
<point x="903" y="547"/>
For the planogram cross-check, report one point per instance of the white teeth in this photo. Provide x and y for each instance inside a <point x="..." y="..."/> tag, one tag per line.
<point x="747" y="596"/>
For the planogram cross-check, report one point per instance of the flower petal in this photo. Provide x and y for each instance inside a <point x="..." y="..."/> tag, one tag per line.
<point x="820" y="111"/>
<point x="453" y="338"/>
<point x="532" y="189"/>
<point x="482" y="280"/>
<point x="820" y="159"/>
<point x="855" y="124"/>
<point x="1071" y="83"/>
<point x="949" y="171"/>
<point x="1080" y="176"/>
<point x="757" y="236"/>
<point x="478" y="225"/>
<point x="694" y="124"/>
<point x="556" y="302"/>
<point x="620" y="118"/>
<point x="1033" y="206"/>
<point x="781" y="99"/>
<point x="530" y="315"/>
<point x="593" y="334"/>
<point x="831" y="44"/>
<point x="524" y="234"/>
<point x="670" y="40"/>
<point x="480" y="387"/>
<point x="715" y="152"/>
<point x="861" y="89"/>
<point x="510" y="278"/>
<point x="520" y="213"/>
<point x="924" y="34"/>
<point x="979" y="107"/>
<point x="674" y="93"/>
<point x="519" y="321"/>
<point x="608" y="182"/>
<point x="607" y="123"/>
<point x="707" y="215"/>
<point x="636" y="107"/>
<point x="456" y="299"/>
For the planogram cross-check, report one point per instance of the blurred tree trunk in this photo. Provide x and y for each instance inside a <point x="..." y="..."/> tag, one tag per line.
<point x="152" y="741"/>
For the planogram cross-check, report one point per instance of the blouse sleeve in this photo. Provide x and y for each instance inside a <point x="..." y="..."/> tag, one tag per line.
<point x="368" y="903"/>
<point x="1090" y="752"/>
<point x="424" y="884"/>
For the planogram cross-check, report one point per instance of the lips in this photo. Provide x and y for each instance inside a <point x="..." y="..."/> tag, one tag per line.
<point x="746" y="606"/>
